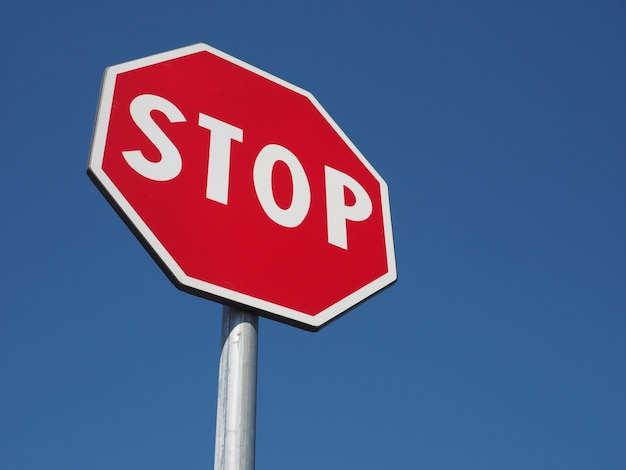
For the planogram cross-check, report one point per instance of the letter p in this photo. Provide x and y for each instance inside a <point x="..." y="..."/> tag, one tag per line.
<point x="337" y="212"/>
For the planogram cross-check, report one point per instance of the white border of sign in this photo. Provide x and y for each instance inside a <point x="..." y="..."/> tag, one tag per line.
<point x="161" y="255"/>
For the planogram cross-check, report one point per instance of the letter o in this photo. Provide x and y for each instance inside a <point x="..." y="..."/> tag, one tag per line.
<point x="262" y="175"/>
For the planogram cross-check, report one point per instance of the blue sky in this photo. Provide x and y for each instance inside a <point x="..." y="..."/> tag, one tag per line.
<point x="499" y="128"/>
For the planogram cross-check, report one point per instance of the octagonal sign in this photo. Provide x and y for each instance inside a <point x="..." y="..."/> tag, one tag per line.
<point x="241" y="186"/>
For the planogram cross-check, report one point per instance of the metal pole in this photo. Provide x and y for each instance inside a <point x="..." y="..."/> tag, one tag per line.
<point x="236" y="397"/>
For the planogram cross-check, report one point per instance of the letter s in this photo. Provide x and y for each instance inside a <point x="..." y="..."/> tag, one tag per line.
<point x="171" y="162"/>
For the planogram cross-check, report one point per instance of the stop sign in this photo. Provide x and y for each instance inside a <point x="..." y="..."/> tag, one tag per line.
<point x="241" y="186"/>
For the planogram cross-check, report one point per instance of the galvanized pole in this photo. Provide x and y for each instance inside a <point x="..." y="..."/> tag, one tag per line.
<point x="236" y="398"/>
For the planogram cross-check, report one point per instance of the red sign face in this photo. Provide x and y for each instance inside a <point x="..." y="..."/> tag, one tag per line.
<point x="241" y="186"/>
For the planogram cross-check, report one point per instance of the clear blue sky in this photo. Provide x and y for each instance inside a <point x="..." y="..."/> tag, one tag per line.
<point x="500" y="128"/>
